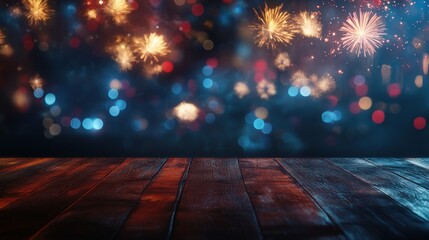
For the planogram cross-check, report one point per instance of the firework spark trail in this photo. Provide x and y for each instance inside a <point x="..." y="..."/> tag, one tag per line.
<point x="151" y="46"/>
<point x="274" y="27"/>
<point x="363" y="33"/>
<point x="37" y="11"/>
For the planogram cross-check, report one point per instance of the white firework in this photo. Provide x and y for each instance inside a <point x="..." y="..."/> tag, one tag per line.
<point x="363" y="33"/>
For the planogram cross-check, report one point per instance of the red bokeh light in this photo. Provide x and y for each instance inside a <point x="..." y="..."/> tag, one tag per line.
<point x="420" y="123"/>
<point x="378" y="117"/>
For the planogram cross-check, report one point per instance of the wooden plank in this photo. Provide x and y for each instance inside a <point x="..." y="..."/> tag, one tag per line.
<point x="9" y="162"/>
<point x="405" y="169"/>
<point x="405" y="192"/>
<point x="214" y="204"/>
<point x="359" y="209"/>
<point x="24" y="163"/>
<point x="100" y="213"/>
<point x="18" y="188"/>
<point x="151" y="218"/>
<point x="26" y="170"/>
<point x="283" y="208"/>
<point x="421" y="162"/>
<point x="27" y="215"/>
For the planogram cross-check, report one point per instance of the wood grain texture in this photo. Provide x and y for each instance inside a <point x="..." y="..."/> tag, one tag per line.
<point x="100" y="213"/>
<point x="405" y="169"/>
<point x="362" y="211"/>
<point x="27" y="215"/>
<point x="12" y="175"/>
<point x="283" y="208"/>
<point x="405" y="192"/>
<point x="10" y="191"/>
<point x="421" y="162"/>
<point x="214" y="204"/>
<point x="9" y="162"/>
<point x="151" y="218"/>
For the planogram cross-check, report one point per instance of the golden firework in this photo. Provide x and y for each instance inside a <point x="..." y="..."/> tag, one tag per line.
<point x="363" y="33"/>
<point x="91" y="14"/>
<point x="118" y="10"/>
<point x="152" y="70"/>
<point x="186" y="112"/>
<point x="282" y="61"/>
<point x="274" y="27"/>
<point x="241" y="89"/>
<point x="151" y="46"/>
<point x="300" y="79"/>
<point x="324" y="85"/>
<point x="309" y="24"/>
<point x="123" y="55"/>
<point x="37" y="11"/>
<point x="36" y="82"/>
<point x="266" y="89"/>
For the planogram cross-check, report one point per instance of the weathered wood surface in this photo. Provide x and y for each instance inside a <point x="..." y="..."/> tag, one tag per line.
<point x="215" y="204"/>
<point x="283" y="208"/>
<point x="180" y="198"/>
<point x="405" y="169"/>
<point x="100" y="213"/>
<point x="358" y="208"/>
<point x="26" y="216"/>
<point x="405" y="192"/>
<point x="152" y="217"/>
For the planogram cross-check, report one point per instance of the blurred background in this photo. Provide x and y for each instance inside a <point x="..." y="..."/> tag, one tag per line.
<point x="214" y="78"/>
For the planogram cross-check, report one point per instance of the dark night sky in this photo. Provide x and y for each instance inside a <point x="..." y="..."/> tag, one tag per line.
<point x="92" y="116"/>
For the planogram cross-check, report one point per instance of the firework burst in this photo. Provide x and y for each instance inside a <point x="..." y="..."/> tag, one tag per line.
<point x="266" y="89"/>
<point x="241" y="89"/>
<point x="309" y="24"/>
<point x="282" y="61"/>
<point x="37" y="11"/>
<point x="118" y="10"/>
<point x="151" y="46"/>
<point x="123" y="55"/>
<point x="274" y="27"/>
<point x="299" y="79"/>
<point x="36" y="82"/>
<point x="186" y="112"/>
<point x="363" y="33"/>
<point x="323" y="85"/>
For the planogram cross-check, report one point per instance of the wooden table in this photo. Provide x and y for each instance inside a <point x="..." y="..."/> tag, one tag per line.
<point x="138" y="198"/>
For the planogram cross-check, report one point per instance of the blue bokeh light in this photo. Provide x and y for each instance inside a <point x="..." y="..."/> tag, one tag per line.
<point x="305" y="91"/>
<point x="88" y="123"/>
<point x="50" y="98"/>
<point x="38" y="93"/>
<point x="268" y="128"/>
<point x="97" y="124"/>
<point x="121" y="104"/>
<point x="75" y="123"/>
<point x="210" y="118"/>
<point x="176" y="88"/>
<point x="258" y="124"/>
<point x="114" y="111"/>
<point x="207" y="70"/>
<point x="293" y="91"/>
<point x="208" y="83"/>
<point x="113" y="94"/>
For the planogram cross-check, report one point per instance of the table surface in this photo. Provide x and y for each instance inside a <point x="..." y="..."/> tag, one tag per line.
<point x="181" y="198"/>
